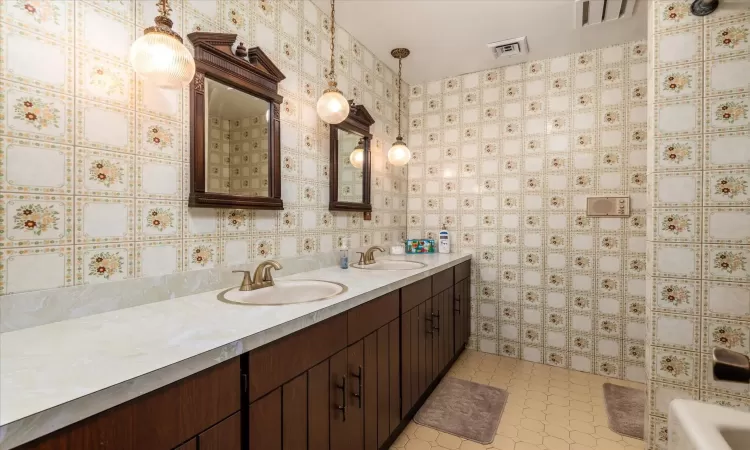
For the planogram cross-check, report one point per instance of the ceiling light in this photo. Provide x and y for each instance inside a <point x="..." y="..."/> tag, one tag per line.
<point x="399" y="154"/>
<point x="332" y="106"/>
<point x="159" y="55"/>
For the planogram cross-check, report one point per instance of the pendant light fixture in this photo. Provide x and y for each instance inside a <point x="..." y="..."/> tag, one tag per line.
<point x="332" y="105"/>
<point x="399" y="154"/>
<point x="159" y="55"/>
<point x="357" y="158"/>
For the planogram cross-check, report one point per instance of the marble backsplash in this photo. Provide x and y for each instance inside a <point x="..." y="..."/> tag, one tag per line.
<point x="30" y="309"/>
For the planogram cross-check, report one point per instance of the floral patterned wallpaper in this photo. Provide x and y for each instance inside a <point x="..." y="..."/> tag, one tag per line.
<point x="94" y="162"/>
<point x="505" y="159"/>
<point x="699" y="230"/>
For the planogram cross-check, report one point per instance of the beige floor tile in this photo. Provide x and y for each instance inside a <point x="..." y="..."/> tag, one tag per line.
<point x="470" y="445"/>
<point x="605" y="432"/>
<point x="503" y="443"/>
<point x="534" y="414"/>
<point x="583" y="427"/>
<point x="526" y="446"/>
<point x="532" y="437"/>
<point x="548" y="408"/>
<point x="606" y="444"/>
<point x="448" y="441"/>
<point x="583" y="438"/>
<point x="557" y="431"/>
<point x="554" y="443"/>
<point x="416" y="444"/>
<point x="532" y="425"/>
<point x="426" y="434"/>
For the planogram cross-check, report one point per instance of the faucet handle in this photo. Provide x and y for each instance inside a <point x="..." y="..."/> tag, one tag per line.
<point x="362" y="260"/>
<point x="730" y="366"/>
<point x="247" y="279"/>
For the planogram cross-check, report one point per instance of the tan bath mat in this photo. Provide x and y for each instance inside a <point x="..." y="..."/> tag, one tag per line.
<point x="464" y="409"/>
<point x="625" y="409"/>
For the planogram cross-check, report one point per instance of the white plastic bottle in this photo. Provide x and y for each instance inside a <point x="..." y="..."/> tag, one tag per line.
<point x="444" y="241"/>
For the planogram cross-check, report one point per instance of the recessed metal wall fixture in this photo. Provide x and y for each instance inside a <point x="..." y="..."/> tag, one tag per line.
<point x="703" y="7"/>
<point x="399" y="154"/>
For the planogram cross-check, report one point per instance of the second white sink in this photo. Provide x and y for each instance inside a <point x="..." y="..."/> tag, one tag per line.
<point x="284" y="293"/>
<point x="389" y="264"/>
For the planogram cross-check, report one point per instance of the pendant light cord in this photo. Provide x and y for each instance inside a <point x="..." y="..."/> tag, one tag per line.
<point x="163" y="7"/>
<point x="332" y="75"/>
<point x="399" y="100"/>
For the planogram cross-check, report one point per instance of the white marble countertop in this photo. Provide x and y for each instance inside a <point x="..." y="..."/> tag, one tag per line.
<point x="57" y="374"/>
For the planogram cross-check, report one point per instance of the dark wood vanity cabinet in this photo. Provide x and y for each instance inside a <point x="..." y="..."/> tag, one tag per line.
<point x="348" y="398"/>
<point x="462" y="305"/>
<point x="201" y="409"/>
<point x="351" y="382"/>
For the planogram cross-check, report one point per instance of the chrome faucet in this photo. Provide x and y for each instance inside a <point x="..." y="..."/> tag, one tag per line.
<point x="262" y="277"/>
<point x="731" y="366"/>
<point x="367" y="257"/>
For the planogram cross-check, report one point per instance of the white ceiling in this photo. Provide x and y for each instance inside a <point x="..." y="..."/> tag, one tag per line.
<point x="448" y="37"/>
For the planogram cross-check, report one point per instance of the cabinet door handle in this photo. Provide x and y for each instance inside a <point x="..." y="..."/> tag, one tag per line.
<point x="342" y="407"/>
<point x="358" y="376"/>
<point x="435" y="326"/>
<point x="458" y="302"/>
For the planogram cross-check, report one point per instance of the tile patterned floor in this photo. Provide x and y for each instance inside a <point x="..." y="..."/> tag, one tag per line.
<point x="548" y="409"/>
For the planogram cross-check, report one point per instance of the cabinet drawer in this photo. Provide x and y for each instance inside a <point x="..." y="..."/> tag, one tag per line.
<point x="416" y="293"/>
<point x="278" y="362"/>
<point x="367" y="318"/>
<point x="442" y="281"/>
<point x="462" y="270"/>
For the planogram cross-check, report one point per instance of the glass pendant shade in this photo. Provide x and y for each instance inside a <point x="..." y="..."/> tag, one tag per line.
<point x="357" y="158"/>
<point x="332" y="107"/>
<point x="399" y="154"/>
<point x="162" y="60"/>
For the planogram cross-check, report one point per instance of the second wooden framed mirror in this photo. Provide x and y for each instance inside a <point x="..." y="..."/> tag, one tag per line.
<point x="235" y="126"/>
<point x="351" y="166"/>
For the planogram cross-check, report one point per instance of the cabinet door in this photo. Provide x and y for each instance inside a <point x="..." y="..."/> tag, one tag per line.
<point x="192" y="444"/>
<point x="394" y="370"/>
<point x="340" y="404"/>
<point x="265" y="422"/>
<point x="461" y="315"/>
<point x="371" y="392"/>
<point x="383" y="394"/>
<point x="319" y="407"/>
<point x="294" y="413"/>
<point x="425" y="346"/>
<point x="434" y="350"/>
<point x="446" y="330"/>
<point x="225" y="435"/>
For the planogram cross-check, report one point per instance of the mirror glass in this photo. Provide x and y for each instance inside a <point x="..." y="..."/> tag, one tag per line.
<point x="237" y="141"/>
<point x="351" y="158"/>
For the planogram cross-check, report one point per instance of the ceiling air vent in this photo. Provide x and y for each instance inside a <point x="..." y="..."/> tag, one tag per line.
<point x="593" y="12"/>
<point x="509" y="47"/>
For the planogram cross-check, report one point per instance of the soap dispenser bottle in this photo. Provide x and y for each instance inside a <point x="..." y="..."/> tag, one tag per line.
<point x="344" y="255"/>
<point x="444" y="241"/>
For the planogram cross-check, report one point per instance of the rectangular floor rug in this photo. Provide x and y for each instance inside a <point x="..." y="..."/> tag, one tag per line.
<point x="625" y="409"/>
<point x="465" y="409"/>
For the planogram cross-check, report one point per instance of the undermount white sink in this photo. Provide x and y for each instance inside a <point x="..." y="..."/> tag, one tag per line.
<point x="701" y="426"/>
<point x="284" y="293"/>
<point x="389" y="264"/>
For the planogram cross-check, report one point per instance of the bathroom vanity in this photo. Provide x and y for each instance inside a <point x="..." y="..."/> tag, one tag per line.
<point x="346" y="374"/>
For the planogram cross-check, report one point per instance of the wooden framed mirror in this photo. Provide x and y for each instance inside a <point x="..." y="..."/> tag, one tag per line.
<point x="234" y="126"/>
<point x="351" y="166"/>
